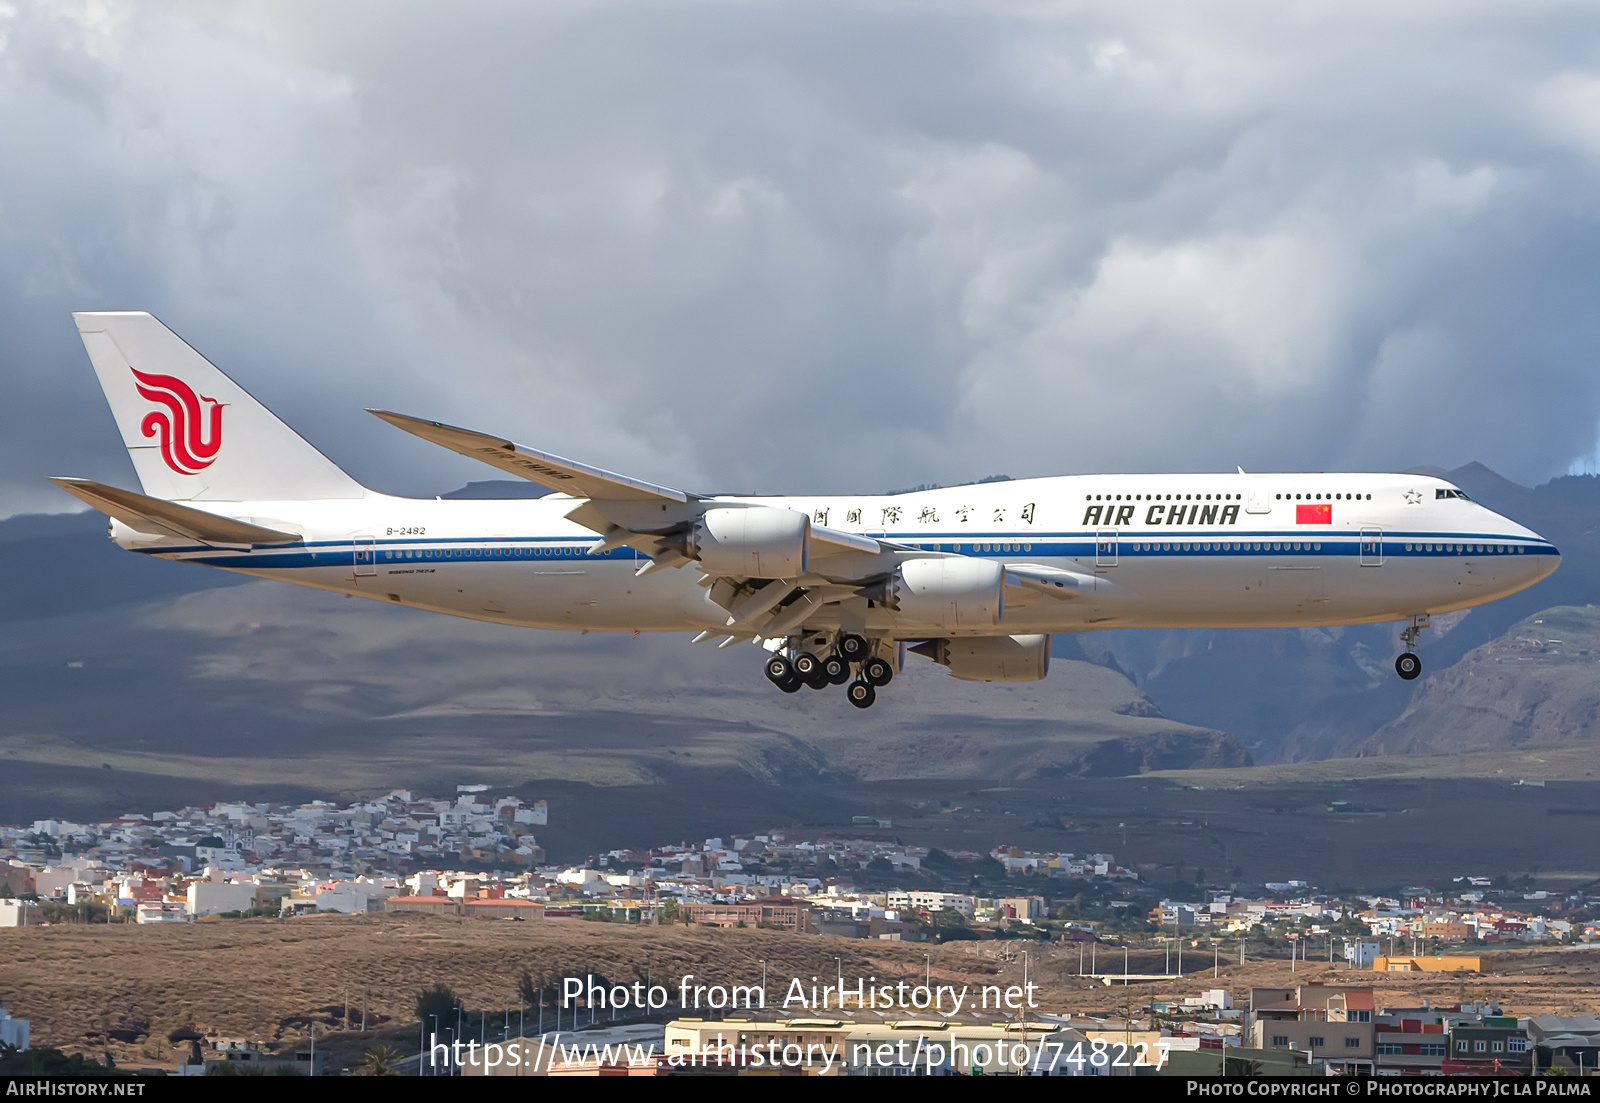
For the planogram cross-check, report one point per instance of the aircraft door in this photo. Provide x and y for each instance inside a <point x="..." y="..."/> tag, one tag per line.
<point x="1372" y="547"/>
<point x="1255" y="497"/>
<point x="366" y="556"/>
<point x="1105" y="548"/>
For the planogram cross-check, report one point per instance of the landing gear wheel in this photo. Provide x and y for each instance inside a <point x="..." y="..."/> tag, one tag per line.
<point x="837" y="670"/>
<point x="877" y="671"/>
<point x="861" y="694"/>
<point x="852" y="649"/>
<point x="1408" y="665"/>
<point x="780" y="672"/>
<point x="808" y="668"/>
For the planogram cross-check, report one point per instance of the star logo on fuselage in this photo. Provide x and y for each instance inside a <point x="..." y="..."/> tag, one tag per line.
<point x="1413" y="497"/>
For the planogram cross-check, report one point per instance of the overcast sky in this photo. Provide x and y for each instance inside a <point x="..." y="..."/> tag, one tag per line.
<point x="818" y="247"/>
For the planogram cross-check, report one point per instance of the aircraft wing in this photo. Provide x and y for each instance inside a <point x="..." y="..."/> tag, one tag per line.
<point x="630" y="512"/>
<point x="162" y="518"/>
<point x="568" y="476"/>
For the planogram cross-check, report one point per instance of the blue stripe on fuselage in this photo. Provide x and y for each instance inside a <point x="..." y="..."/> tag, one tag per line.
<point x="1394" y="545"/>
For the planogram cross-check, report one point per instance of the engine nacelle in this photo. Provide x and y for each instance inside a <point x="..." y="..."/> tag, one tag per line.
<point x="991" y="658"/>
<point x="951" y="593"/>
<point x="756" y="542"/>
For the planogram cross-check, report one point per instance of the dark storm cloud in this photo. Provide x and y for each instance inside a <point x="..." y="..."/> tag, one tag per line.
<point x="809" y="246"/>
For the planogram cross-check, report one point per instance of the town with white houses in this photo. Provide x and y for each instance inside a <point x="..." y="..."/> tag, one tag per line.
<point x="477" y="851"/>
<point x="474" y="855"/>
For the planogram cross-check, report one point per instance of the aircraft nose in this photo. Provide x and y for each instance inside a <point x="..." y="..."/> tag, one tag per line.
<point x="1543" y="556"/>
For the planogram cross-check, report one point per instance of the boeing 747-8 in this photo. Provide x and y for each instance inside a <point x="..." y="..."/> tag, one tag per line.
<point x="836" y="588"/>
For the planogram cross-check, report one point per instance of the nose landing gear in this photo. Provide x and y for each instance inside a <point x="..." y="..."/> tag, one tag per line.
<point x="1409" y="665"/>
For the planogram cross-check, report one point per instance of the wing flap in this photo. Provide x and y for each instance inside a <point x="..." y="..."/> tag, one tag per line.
<point x="160" y="517"/>
<point x="578" y="479"/>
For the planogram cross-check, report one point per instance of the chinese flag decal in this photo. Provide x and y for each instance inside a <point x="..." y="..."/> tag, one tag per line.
<point x="1314" y="514"/>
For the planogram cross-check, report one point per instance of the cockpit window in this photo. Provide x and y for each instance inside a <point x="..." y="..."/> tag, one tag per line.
<point x="1451" y="493"/>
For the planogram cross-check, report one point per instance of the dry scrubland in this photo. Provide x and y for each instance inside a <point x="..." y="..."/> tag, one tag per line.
<point x="126" y="988"/>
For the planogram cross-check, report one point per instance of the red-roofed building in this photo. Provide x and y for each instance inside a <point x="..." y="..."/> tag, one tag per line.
<point x="483" y="907"/>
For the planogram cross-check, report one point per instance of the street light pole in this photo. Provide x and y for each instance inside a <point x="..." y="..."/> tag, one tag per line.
<point x="1026" y="991"/>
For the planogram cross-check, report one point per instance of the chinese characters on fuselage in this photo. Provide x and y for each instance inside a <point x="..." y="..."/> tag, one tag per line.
<point x="928" y="515"/>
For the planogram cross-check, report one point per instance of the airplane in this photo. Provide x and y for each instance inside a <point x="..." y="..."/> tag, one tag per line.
<point x="836" y="589"/>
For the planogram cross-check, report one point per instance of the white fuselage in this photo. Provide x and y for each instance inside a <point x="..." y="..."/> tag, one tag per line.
<point x="1168" y="551"/>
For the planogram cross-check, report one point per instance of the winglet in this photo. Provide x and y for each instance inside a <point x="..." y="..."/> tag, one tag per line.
<point x="578" y="479"/>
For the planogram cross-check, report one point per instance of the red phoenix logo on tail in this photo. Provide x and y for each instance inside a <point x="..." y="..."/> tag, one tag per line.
<point x="188" y="443"/>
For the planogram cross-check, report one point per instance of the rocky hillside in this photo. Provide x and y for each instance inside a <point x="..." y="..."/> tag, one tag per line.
<point x="123" y="676"/>
<point x="1539" y="684"/>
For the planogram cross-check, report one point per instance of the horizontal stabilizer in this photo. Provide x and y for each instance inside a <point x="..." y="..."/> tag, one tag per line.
<point x="162" y="518"/>
<point x="567" y="476"/>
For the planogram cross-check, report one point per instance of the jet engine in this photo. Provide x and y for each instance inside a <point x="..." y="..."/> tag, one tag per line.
<point x="950" y="593"/>
<point x="755" y="542"/>
<point x="991" y="658"/>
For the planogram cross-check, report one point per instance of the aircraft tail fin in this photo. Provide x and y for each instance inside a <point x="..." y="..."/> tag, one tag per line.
<point x="193" y="433"/>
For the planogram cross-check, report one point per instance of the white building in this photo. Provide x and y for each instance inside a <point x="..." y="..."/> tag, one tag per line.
<point x="354" y="897"/>
<point x="52" y="881"/>
<point x="19" y="913"/>
<point x="1362" y="954"/>
<point x="934" y="901"/>
<point x="212" y="897"/>
<point x="13" y="1032"/>
<point x="163" y="912"/>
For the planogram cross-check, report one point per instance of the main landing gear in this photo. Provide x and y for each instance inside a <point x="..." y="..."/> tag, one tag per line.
<point x="1409" y="665"/>
<point x="850" y="654"/>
